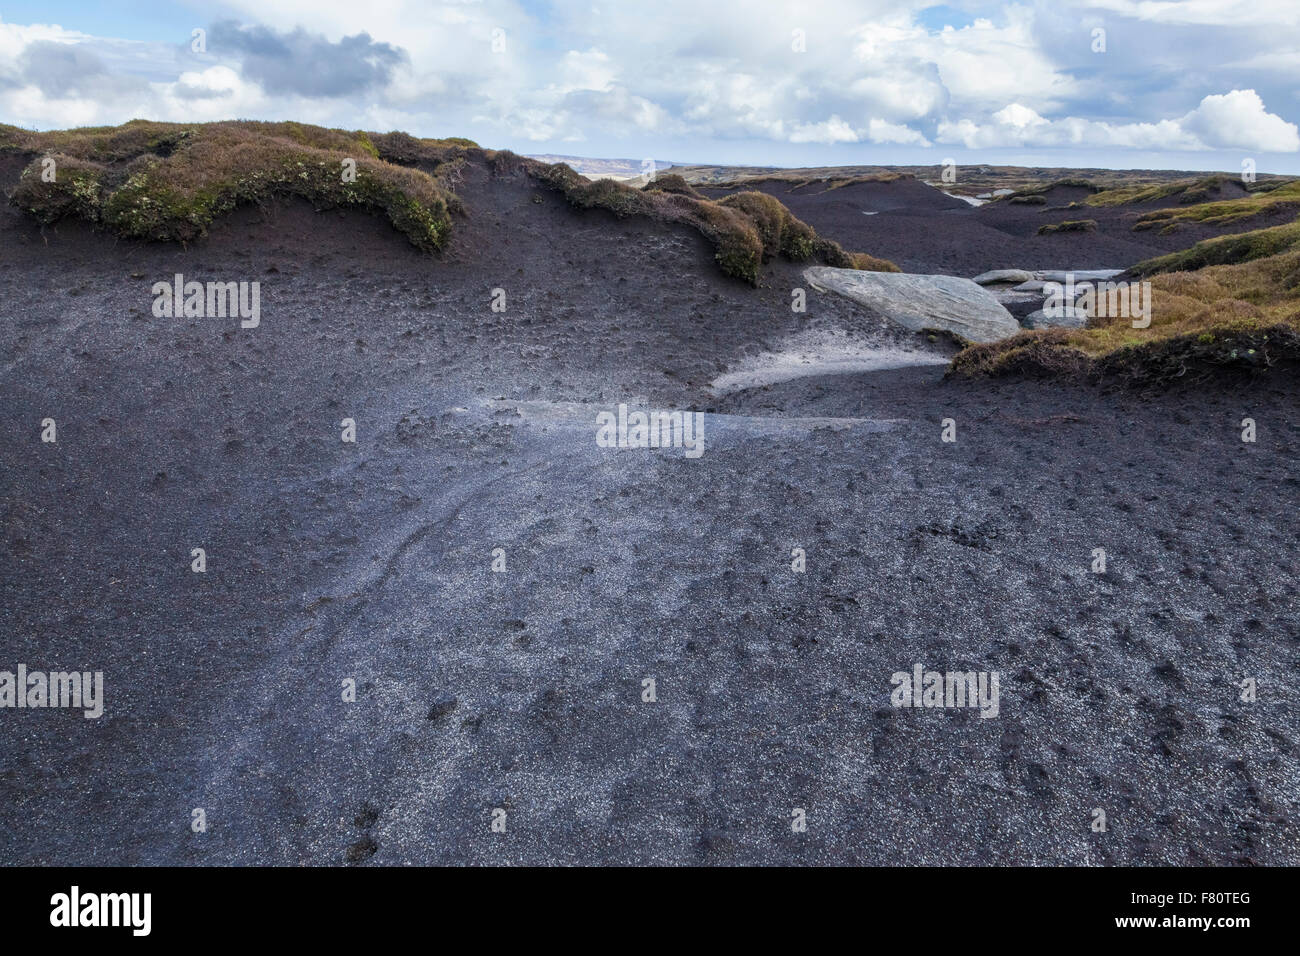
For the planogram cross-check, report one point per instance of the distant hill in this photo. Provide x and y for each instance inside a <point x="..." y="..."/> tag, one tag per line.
<point x="971" y="180"/>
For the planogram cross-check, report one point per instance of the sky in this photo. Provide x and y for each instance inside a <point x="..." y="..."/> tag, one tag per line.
<point x="1197" y="84"/>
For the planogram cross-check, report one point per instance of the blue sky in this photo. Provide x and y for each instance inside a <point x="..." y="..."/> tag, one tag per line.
<point x="1199" y="84"/>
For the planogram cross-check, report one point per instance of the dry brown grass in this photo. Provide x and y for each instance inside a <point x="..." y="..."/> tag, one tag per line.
<point x="1243" y="317"/>
<point x="865" y="263"/>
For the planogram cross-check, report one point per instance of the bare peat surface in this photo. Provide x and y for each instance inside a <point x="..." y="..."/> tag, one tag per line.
<point x="522" y="691"/>
<point x="923" y="229"/>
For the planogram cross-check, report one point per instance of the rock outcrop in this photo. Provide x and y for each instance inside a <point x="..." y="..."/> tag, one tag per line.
<point x="920" y="302"/>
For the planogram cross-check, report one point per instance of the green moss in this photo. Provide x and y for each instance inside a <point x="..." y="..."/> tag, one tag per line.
<point x="1285" y="196"/>
<point x="169" y="182"/>
<point x="1130" y="195"/>
<point x="363" y="139"/>
<point x="1225" y="250"/>
<point x="798" y="241"/>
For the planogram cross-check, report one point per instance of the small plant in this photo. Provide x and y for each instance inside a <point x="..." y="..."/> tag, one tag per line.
<point x="1070" y="225"/>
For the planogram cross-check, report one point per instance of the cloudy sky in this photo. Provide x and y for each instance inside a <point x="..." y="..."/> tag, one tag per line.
<point x="1198" y="84"/>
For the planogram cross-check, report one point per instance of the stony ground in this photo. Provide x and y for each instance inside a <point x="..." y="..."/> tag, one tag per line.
<point x="522" y="690"/>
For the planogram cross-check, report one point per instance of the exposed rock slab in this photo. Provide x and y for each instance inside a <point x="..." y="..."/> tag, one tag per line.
<point x="920" y="302"/>
<point x="1080" y="275"/>
<point x="1003" y="275"/>
<point x="1036" y="277"/>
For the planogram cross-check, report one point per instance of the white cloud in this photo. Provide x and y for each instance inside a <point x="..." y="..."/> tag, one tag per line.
<point x="1235" y="120"/>
<point x="833" y="130"/>
<point x="984" y="64"/>
<point x="694" y="73"/>
<point x="1239" y="120"/>
<point x="879" y="131"/>
<point x="1225" y="13"/>
<point x="836" y="130"/>
<point x="590" y="70"/>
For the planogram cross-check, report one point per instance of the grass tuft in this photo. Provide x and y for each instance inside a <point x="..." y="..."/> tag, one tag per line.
<point x="1070" y="225"/>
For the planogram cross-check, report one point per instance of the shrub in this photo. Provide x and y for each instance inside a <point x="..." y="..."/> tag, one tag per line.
<point x="771" y="219"/>
<point x="77" y="190"/>
<point x="403" y="149"/>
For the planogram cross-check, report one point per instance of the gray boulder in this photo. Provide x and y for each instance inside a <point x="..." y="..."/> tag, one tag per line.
<point x="1080" y="275"/>
<point x="1002" y="275"/>
<point x="921" y="301"/>
<point x="1070" y="318"/>
<point x="1019" y="304"/>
